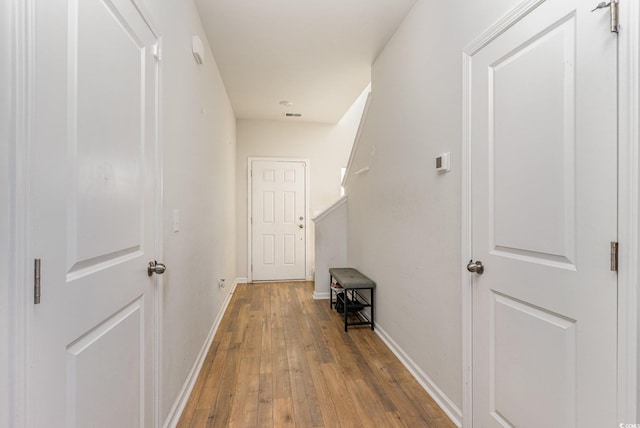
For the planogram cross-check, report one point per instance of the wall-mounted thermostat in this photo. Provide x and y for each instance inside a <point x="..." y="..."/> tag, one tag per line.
<point x="442" y="163"/>
<point x="198" y="49"/>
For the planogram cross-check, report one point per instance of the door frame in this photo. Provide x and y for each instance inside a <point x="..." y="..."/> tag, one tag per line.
<point x="20" y="277"/>
<point x="21" y="297"/>
<point x="628" y="209"/>
<point x="628" y="206"/>
<point x="307" y="250"/>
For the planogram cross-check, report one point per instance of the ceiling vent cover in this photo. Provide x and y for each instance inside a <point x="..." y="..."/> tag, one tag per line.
<point x="293" y="114"/>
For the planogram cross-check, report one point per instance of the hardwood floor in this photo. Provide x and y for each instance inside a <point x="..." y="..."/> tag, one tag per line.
<point x="280" y="358"/>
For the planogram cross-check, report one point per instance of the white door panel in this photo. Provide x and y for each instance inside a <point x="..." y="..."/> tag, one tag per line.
<point x="118" y="341"/>
<point x="93" y="222"/>
<point x="533" y="146"/>
<point x="278" y="222"/>
<point x="544" y="148"/>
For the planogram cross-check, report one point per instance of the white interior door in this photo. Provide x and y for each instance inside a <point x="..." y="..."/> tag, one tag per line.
<point x="93" y="215"/>
<point x="543" y="137"/>
<point x="278" y="220"/>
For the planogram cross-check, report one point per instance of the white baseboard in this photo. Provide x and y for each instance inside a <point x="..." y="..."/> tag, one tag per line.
<point x="320" y="295"/>
<point x="181" y="401"/>
<point x="454" y="413"/>
<point x="241" y="281"/>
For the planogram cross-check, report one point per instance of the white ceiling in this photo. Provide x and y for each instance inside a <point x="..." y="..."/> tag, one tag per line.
<point x="315" y="53"/>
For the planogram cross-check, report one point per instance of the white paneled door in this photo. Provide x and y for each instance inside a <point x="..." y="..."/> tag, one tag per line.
<point x="93" y="215"/>
<point x="543" y="138"/>
<point x="278" y="220"/>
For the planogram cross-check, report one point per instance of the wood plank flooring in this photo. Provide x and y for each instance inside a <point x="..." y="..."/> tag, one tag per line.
<point x="280" y="358"/>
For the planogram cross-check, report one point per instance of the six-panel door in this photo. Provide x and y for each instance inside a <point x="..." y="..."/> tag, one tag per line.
<point x="278" y="220"/>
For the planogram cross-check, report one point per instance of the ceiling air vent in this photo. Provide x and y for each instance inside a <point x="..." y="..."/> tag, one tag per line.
<point x="293" y="114"/>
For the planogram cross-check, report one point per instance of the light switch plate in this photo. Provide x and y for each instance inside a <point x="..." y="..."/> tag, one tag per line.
<point x="443" y="163"/>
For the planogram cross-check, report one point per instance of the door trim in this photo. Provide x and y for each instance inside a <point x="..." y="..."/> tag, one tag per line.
<point x="628" y="206"/>
<point x="21" y="383"/>
<point x="307" y="250"/>
<point x="23" y="43"/>
<point x="158" y="289"/>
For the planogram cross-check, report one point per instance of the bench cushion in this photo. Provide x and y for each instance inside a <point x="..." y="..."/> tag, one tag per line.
<point x="351" y="278"/>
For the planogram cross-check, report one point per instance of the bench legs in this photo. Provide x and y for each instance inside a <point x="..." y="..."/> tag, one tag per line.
<point x="372" y="306"/>
<point x="346" y="299"/>
<point x="346" y="312"/>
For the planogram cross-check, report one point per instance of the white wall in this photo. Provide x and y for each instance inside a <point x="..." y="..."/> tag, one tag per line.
<point x="198" y="139"/>
<point x="327" y="148"/>
<point x="404" y="219"/>
<point x="6" y="38"/>
<point x="330" y="245"/>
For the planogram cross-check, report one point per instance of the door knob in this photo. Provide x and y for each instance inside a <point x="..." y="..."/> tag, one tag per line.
<point x="475" y="267"/>
<point x="301" y="226"/>
<point x="155" y="267"/>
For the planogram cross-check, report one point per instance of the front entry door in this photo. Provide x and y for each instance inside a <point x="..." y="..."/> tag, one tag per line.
<point x="278" y="220"/>
<point x="93" y="216"/>
<point x="543" y="115"/>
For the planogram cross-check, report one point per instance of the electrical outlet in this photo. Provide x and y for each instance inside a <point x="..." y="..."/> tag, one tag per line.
<point x="221" y="283"/>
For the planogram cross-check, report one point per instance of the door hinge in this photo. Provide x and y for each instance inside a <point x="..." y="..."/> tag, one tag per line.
<point x="36" y="282"/>
<point x="614" y="256"/>
<point x="613" y="14"/>
<point x="613" y="10"/>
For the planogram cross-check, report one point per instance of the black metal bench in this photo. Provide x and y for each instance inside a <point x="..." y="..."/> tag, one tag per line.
<point x="348" y="283"/>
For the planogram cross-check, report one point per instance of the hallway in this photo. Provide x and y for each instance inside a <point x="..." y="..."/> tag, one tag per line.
<point x="280" y="358"/>
<point x="488" y="157"/>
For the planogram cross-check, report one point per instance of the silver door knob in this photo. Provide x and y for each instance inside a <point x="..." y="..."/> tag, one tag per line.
<point x="155" y="267"/>
<point x="475" y="267"/>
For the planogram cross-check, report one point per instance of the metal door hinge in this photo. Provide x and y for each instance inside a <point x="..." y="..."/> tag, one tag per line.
<point x="613" y="10"/>
<point x="36" y="281"/>
<point x="614" y="256"/>
<point x="613" y="13"/>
